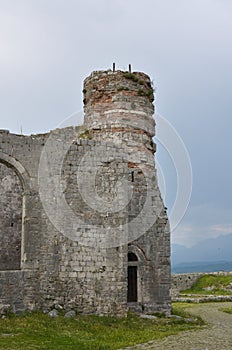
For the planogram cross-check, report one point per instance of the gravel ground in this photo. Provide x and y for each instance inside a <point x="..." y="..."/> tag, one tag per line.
<point x="217" y="336"/>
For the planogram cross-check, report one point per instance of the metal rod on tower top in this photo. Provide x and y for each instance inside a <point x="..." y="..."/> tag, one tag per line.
<point x="113" y="67"/>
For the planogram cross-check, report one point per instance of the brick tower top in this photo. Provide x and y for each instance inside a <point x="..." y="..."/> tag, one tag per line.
<point x="118" y="99"/>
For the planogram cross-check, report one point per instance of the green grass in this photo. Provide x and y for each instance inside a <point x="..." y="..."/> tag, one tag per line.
<point x="181" y="309"/>
<point x="131" y="76"/>
<point x="218" y="283"/>
<point x="228" y="310"/>
<point x="39" y="331"/>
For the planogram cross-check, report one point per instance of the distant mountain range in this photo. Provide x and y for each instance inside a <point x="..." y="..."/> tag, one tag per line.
<point x="202" y="267"/>
<point x="214" y="254"/>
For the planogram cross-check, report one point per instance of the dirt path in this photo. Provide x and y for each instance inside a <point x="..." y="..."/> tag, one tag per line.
<point x="218" y="336"/>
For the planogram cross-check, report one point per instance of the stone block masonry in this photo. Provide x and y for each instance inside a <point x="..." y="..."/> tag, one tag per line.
<point x="11" y="196"/>
<point x="107" y="249"/>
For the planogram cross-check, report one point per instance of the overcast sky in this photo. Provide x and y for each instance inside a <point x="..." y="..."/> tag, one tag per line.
<point x="47" y="48"/>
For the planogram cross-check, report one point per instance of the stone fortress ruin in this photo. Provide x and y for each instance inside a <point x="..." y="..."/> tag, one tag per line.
<point x="82" y="222"/>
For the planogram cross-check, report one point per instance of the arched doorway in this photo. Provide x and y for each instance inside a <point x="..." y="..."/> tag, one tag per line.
<point x="132" y="278"/>
<point x="11" y="208"/>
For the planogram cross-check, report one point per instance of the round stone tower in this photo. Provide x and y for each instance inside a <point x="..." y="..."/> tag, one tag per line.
<point x="119" y="105"/>
<point x="119" y="112"/>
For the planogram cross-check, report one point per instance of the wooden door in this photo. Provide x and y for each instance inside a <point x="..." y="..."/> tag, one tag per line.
<point x="132" y="289"/>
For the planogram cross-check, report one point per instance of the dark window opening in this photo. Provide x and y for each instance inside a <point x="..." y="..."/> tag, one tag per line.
<point x="132" y="257"/>
<point x="132" y="176"/>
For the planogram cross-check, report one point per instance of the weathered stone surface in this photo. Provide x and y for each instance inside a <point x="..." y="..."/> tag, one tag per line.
<point x="149" y="317"/>
<point x="4" y="309"/>
<point x="59" y="307"/>
<point x="86" y="270"/>
<point x="11" y="198"/>
<point x="70" y="314"/>
<point x="53" y="313"/>
<point x="193" y="298"/>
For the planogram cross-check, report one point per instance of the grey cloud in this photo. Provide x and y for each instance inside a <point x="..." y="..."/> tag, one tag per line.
<point x="47" y="48"/>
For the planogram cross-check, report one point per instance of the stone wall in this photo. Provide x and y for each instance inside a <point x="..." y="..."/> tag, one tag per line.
<point x="11" y="204"/>
<point x="184" y="281"/>
<point x="75" y="254"/>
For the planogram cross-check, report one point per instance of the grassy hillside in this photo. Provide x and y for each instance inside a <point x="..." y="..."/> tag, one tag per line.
<point x="211" y="284"/>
